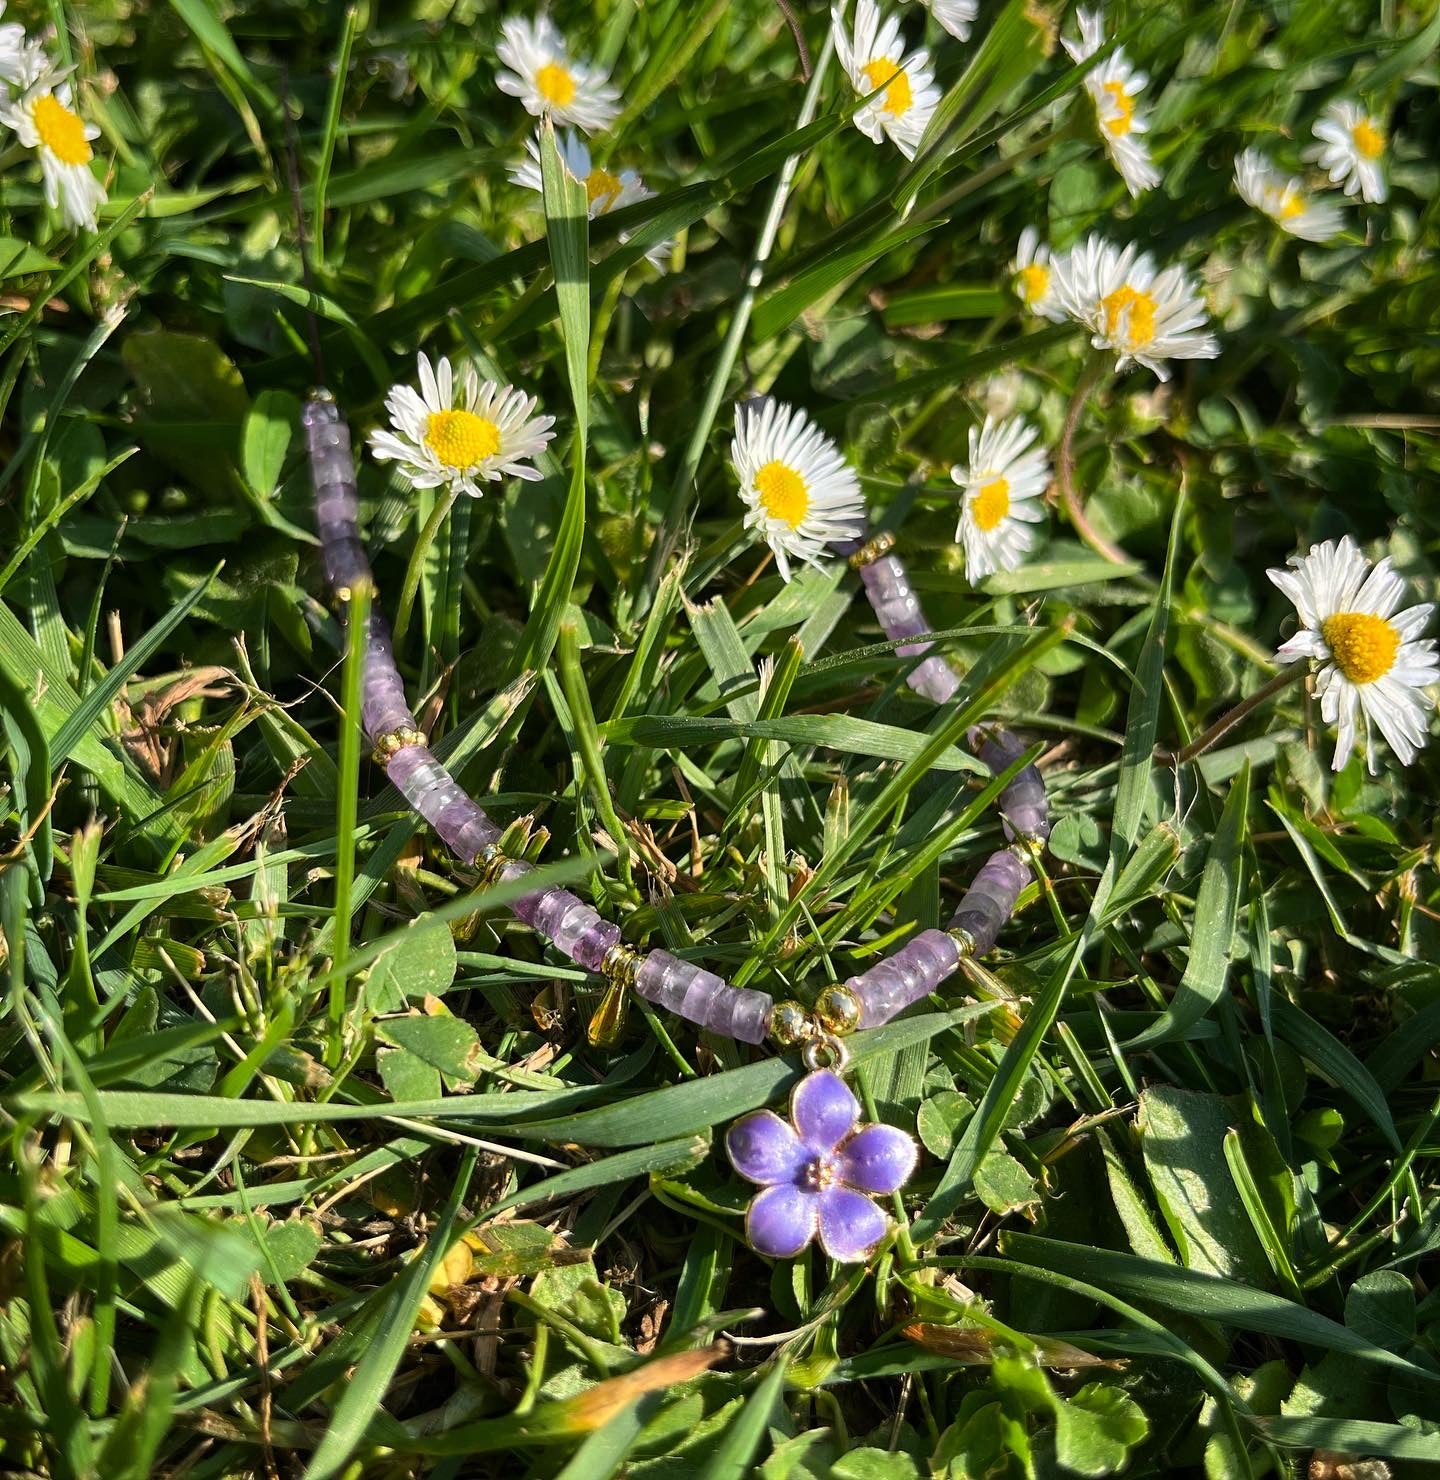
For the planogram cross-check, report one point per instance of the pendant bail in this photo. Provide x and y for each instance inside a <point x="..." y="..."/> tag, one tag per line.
<point x="826" y="1051"/>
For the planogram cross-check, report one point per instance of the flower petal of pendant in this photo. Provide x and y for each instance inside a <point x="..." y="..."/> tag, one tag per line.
<point x="818" y="1172"/>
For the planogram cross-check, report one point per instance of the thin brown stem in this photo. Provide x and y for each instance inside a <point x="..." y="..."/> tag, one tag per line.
<point x="1065" y="465"/>
<point x="1230" y="719"/>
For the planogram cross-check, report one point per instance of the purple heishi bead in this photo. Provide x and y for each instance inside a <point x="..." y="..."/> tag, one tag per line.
<point x="1024" y="806"/>
<point x="579" y="918"/>
<point x="554" y="904"/>
<point x="935" y="679"/>
<point x="987" y="904"/>
<point x="702" y="995"/>
<point x="593" y="943"/>
<point x="749" y="1015"/>
<point x="659" y="980"/>
<point x="912" y="973"/>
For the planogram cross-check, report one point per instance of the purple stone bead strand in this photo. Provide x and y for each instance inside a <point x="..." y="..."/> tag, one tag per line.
<point x="919" y="967"/>
<point x="575" y="929"/>
<point x="898" y="609"/>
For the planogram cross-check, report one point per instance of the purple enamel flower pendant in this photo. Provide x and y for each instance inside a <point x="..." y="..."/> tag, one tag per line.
<point x="818" y="1172"/>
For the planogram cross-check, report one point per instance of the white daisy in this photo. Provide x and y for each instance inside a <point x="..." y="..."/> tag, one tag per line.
<point x="1284" y="200"/>
<point x="1003" y="482"/>
<point x="874" y="57"/>
<point x="44" y="119"/>
<point x="544" y="78"/>
<point x="1032" y="275"/>
<point x="1146" y="317"/>
<point x="605" y="191"/>
<point x="1373" y="668"/>
<point x="460" y="436"/>
<point x="1114" y="87"/>
<point x="1351" y="148"/>
<point x="957" y="16"/>
<point x="799" y="492"/>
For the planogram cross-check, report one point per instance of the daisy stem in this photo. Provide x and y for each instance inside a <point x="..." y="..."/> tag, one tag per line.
<point x="411" y="584"/>
<point x="1090" y="377"/>
<point x="1229" y="720"/>
<point x="670" y="526"/>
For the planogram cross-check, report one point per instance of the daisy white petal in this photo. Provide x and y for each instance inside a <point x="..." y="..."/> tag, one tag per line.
<point x="1004" y="482"/>
<point x="1032" y="275"/>
<point x="1350" y="148"/>
<point x="460" y="436"/>
<point x="1146" y="317"/>
<point x="800" y="495"/>
<point x="874" y="57"/>
<point x="956" y="16"/>
<point x="605" y="190"/>
<point x="543" y="75"/>
<point x="1373" y="668"/>
<point x="1284" y="200"/>
<point x="44" y="119"/>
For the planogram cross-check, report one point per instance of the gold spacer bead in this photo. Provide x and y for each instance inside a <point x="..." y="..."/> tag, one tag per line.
<point x="877" y="546"/>
<point x="790" y="1024"/>
<point x="391" y="741"/>
<point x="490" y="861"/>
<point x="837" y="1010"/>
<point x="621" y="964"/>
<point x="963" y="939"/>
<point x="364" y="586"/>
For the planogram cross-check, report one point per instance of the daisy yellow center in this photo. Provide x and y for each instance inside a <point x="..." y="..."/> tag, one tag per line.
<point x="1124" y="109"/>
<point x="1292" y="204"/>
<point x="1137" y="308"/>
<point x="460" y="439"/>
<point x="1032" y="283"/>
<point x="1363" y="645"/>
<point x="61" y="131"/>
<point x="783" y="494"/>
<point x="599" y="184"/>
<point x="555" y="84"/>
<point x="991" y="504"/>
<point x="1369" y="141"/>
<point x="882" y="72"/>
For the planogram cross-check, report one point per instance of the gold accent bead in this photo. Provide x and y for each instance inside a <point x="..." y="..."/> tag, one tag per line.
<point x="391" y="741"/>
<point x="344" y="595"/>
<point x="621" y="964"/>
<point x="877" y="546"/>
<point x="490" y="860"/>
<point x="790" y="1024"/>
<point x="963" y="939"/>
<point x="837" y="1010"/>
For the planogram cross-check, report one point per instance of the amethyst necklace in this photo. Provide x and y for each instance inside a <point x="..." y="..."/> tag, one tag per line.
<point x="818" y="1171"/>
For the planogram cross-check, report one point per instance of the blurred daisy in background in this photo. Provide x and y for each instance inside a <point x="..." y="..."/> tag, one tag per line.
<point x="460" y="436"/>
<point x="957" y="16"/>
<point x="543" y="76"/>
<point x="605" y="190"/>
<point x="44" y="119"/>
<point x="1003" y="484"/>
<point x="1145" y="316"/>
<point x="1033" y="276"/>
<point x="1283" y="199"/>
<point x="799" y="493"/>
<point x="1371" y="666"/>
<point x="1351" y="149"/>
<point x="14" y="53"/>
<point x="1114" y="87"/>
<point x="874" y="57"/>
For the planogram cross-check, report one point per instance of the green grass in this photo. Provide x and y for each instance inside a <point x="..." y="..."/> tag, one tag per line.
<point x="310" y="1166"/>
